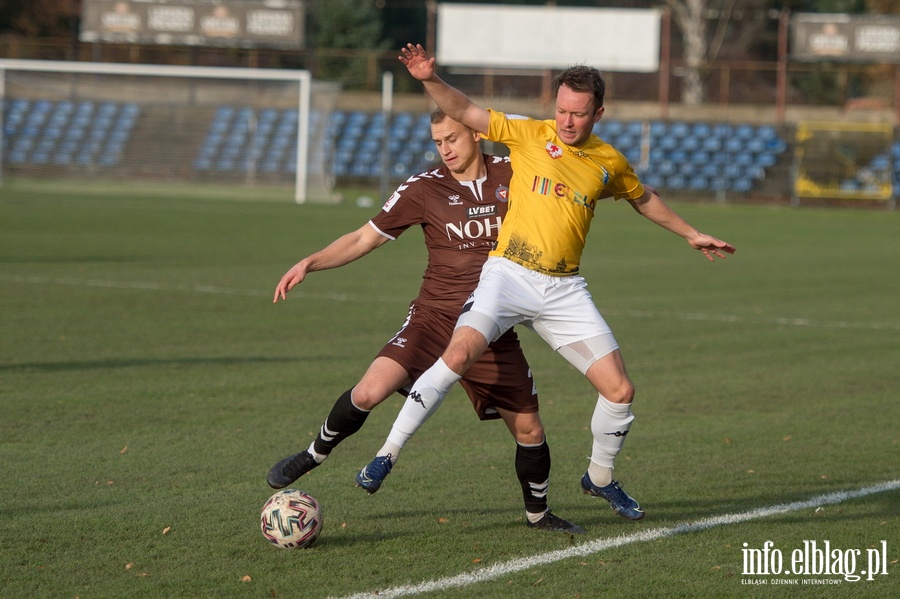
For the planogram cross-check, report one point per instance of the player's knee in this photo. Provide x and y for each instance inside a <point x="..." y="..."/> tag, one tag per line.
<point x="460" y="356"/>
<point x="365" y="398"/>
<point x="622" y="393"/>
<point x="530" y="431"/>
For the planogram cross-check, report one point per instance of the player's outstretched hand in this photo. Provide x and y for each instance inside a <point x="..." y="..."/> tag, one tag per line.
<point x="417" y="61"/>
<point x="291" y="279"/>
<point x="711" y="247"/>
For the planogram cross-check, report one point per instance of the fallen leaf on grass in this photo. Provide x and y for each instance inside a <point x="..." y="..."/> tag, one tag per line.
<point x="166" y="530"/>
<point x="124" y="449"/>
<point x="443" y="520"/>
<point x="129" y="566"/>
<point x="246" y="579"/>
<point x="476" y="560"/>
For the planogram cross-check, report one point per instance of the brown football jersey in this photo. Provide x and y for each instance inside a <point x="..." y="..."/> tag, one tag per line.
<point x="460" y="221"/>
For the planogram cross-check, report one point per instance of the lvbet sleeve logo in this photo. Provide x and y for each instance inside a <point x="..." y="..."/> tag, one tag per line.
<point x="812" y="562"/>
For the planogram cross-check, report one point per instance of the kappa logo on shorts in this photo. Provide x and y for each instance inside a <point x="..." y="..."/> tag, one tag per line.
<point x="554" y="150"/>
<point x="617" y="434"/>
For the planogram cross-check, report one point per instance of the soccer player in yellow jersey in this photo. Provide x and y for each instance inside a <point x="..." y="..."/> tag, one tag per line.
<point x="560" y="171"/>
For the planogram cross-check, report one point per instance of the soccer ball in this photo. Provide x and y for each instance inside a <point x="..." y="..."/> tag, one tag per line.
<point x="291" y="519"/>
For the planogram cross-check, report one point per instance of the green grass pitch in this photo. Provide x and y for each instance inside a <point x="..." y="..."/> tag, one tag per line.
<point x="147" y="383"/>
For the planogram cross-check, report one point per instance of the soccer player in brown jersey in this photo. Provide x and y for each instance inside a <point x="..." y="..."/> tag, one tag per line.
<point x="460" y="206"/>
<point x="560" y="173"/>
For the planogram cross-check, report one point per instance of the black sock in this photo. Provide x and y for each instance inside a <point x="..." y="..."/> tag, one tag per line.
<point x="344" y="420"/>
<point x="533" y="470"/>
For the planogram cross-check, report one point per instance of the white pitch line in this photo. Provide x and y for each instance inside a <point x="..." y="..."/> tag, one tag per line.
<point x="344" y="297"/>
<point x="518" y="565"/>
<point x="211" y="289"/>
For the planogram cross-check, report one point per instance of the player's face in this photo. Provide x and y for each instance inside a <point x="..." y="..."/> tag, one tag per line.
<point x="456" y="144"/>
<point x="575" y="115"/>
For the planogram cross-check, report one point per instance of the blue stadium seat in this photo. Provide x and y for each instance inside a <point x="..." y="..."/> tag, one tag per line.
<point x="669" y="142"/>
<point x="658" y="129"/>
<point x="734" y="144"/>
<point x="711" y="170"/>
<point x="676" y="182"/>
<point x="679" y="129"/>
<point x="743" y="184"/>
<point x="697" y="183"/>
<point x="701" y="130"/>
<point x="719" y="184"/>
<point x="691" y="143"/>
<point x="712" y="144"/>
<point x="744" y="132"/>
<point x="721" y="130"/>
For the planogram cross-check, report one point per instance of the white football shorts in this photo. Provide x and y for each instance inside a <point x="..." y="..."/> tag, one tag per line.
<point x="559" y="309"/>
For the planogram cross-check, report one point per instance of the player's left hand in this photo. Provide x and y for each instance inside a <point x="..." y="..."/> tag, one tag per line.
<point x="711" y="247"/>
<point x="419" y="64"/>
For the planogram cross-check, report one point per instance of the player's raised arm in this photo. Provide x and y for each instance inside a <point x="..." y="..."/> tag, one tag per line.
<point x="651" y="206"/>
<point x="453" y="102"/>
<point x="341" y="251"/>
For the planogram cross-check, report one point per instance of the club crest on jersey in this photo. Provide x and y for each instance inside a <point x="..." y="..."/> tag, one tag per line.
<point x="554" y="150"/>
<point x="454" y="200"/>
<point x="502" y="193"/>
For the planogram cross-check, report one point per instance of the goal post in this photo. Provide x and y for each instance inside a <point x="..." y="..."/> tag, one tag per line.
<point x="255" y="128"/>
<point x="848" y="161"/>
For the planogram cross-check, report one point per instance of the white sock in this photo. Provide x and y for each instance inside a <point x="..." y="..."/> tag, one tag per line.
<point x="390" y="449"/>
<point x="535" y="518"/>
<point x="318" y="457"/>
<point x="424" y="399"/>
<point x="600" y="475"/>
<point x="609" y="425"/>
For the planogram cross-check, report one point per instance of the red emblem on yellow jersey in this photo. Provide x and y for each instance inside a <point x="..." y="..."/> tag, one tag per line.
<point x="554" y="150"/>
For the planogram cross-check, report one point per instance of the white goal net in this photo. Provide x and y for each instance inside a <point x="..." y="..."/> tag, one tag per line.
<point x="258" y="129"/>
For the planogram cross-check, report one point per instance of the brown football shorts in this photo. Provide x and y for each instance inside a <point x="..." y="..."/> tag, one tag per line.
<point x="501" y="378"/>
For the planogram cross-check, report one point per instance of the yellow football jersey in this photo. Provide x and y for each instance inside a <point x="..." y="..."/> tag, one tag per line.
<point x="553" y="192"/>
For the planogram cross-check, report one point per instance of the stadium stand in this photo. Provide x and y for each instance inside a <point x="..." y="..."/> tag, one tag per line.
<point x="63" y="133"/>
<point x="670" y="155"/>
<point x="238" y="140"/>
<point x="696" y="156"/>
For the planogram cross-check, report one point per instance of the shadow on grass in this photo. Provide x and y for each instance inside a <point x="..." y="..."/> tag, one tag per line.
<point x="145" y="362"/>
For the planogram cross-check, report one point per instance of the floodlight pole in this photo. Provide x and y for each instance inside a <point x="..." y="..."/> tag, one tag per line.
<point x="2" y="125"/>
<point x="781" y="78"/>
<point x="665" y="45"/>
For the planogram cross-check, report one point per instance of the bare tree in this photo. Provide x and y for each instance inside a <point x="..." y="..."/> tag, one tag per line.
<point x="707" y="26"/>
<point x="689" y="19"/>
